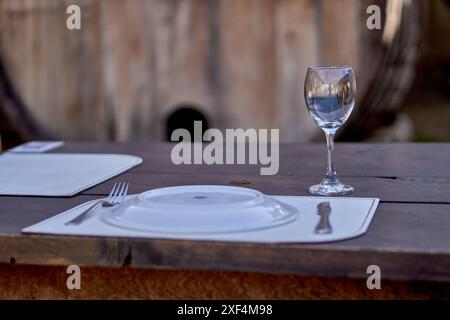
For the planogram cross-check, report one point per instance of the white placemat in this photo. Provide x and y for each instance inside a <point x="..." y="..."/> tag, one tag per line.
<point x="350" y="217"/>
<point x="58" y="174"/>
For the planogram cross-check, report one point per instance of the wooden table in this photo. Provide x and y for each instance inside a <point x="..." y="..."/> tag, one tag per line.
<point x="409" y="237"/>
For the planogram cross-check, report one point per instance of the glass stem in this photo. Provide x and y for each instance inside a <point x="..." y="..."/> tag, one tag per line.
<point x="330" y="177"/>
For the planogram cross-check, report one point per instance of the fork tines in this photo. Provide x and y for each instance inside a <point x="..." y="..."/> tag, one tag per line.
<point x="118" y="193"/>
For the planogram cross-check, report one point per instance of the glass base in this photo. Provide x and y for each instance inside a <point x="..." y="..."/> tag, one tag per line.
<point x="336" y="189"/>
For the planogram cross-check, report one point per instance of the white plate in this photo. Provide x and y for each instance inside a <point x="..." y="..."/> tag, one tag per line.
<point x="200" y="209"/>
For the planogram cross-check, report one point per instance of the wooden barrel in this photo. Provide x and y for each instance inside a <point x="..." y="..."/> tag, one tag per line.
<point x="240" y="63"/>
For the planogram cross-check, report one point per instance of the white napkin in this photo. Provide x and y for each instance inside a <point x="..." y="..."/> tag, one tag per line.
<point x="37" y="146"/>
<point x="58" y="174"/>
<point x="350" y="217"/>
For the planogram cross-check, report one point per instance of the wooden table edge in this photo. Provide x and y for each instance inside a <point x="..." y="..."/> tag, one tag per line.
<point x="292" y="259"/>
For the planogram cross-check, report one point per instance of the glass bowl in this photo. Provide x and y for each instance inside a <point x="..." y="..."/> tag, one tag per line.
<point x="200" y="209"/>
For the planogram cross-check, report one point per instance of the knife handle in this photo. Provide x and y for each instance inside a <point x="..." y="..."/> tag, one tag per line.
<point x="324" y="225"/>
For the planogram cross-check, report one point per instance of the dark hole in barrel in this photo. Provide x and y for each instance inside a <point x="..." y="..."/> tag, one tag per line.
<point x="184" y="118"/>
<point x="388" y="118"/>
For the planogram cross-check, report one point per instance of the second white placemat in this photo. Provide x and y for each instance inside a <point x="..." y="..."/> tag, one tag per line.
<point x="58" y="174"/>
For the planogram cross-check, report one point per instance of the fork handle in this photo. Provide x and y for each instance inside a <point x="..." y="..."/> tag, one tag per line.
<point x="82" y="216"/>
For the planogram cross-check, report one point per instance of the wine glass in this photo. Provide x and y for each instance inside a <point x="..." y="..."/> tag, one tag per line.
<point x="330" y="97"/>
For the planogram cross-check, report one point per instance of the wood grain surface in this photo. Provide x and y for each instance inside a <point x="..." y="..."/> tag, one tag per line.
<point x="45" y="282"/>
<point x="408" y="237"/>
<point x="134" y="62"/>
<point x="398" y="160"/>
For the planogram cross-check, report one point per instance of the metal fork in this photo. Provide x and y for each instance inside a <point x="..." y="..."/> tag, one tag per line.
<point x="115" y="197"/>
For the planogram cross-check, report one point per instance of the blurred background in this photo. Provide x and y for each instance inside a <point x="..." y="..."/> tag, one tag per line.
<point x="139" y="69"/>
